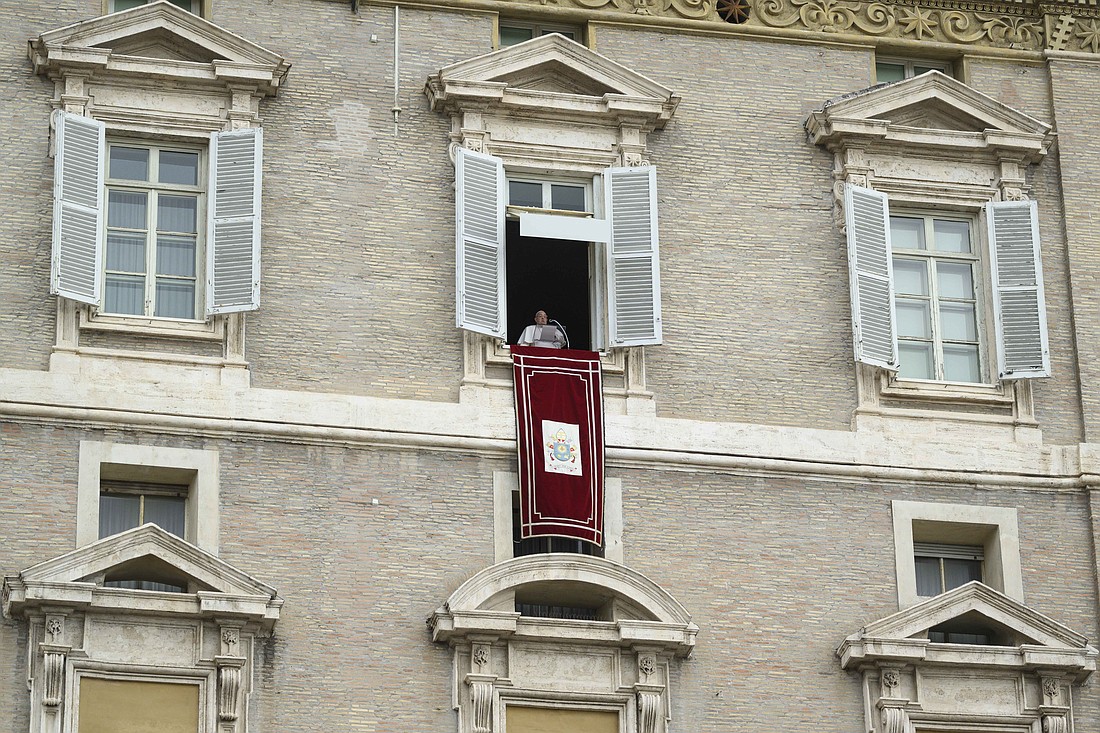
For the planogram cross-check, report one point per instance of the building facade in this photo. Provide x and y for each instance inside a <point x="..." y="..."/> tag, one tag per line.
<point x="257" y="433"/>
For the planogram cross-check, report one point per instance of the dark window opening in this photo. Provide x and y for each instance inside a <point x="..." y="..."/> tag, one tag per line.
<point x="569" y="612"/>
<point x="540" y="545"/>
<point x="551" y="275"/>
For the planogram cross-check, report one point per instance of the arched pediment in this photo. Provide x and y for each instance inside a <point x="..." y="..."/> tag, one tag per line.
<point x="634" y="608"/>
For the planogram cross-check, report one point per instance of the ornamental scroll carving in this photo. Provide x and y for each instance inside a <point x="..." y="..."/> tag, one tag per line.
<point x="53" y="673"/>
<point x="649" y="711"/>
<point x="481" y="695"/>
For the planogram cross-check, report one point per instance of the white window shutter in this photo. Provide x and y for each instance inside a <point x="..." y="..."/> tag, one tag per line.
<point x="1017" y="274"/>
<point x="479" y="256"/>
<point x="233" y="228"/>
<point x="633" y="264"/>
<point x="871" y="276"/>
<point x="77" y="208"/>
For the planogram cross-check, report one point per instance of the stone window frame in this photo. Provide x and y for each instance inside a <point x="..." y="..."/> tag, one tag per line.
<point x="94" y="65"/>
<point x="198" y="468"/>
<point x="879" y="142"/>
<point x="996" y="529"/>
<point x="502" y="657"/>
<point x="506" y="483"/>
<point x="472" y="95"/>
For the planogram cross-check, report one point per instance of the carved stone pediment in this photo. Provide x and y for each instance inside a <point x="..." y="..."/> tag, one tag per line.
<point x="76" y="579"/>
<point x="619" y="661"/>
<point x="1019" y="677"/>
<point x="159" y="39"/>
<point x="551" y="75"/>
<point x="80" y="627"/>
<point x="930" y="111"/>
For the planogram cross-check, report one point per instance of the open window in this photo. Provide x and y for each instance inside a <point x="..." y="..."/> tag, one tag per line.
<point x="559" y="260"/>
<point x="542" y="112"/>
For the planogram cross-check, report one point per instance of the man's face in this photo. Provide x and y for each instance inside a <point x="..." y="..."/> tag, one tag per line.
<point x="540" y="318"/>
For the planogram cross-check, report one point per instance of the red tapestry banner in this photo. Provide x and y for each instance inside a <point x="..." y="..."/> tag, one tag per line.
<point x="559" y="422"/>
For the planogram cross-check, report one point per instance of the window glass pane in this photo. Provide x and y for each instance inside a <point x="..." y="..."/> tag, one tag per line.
<point x="118" y="513"/>
<point x="125" y="252"/>
<point x="126" y="209"/>
<point x="951" y="236"/>
<point x="175" y="298"/>
<point x="955" y="280"/>
<point x="175" y="255"/>
<point x="889" y="72"/>
<point x="916" y="360"/>
<point x="124" y="706"/>
<point x="524" y="193"/>
<point x="568" y="198"/>
<point x="906" y="232"/>
<point x="958" y="572"/>
<point x="918" y="70"/>
<point x="177" y="213"/>
<point x="960" y="363"/>
<point x="510" y="36"/>
<point x="910" y="277"/>
<point x="928" y="576"/>
<point x="958" y="322"/>
<point x="124" y="294"/>
<point x="187" y="5"/>
<point x="177" y="167"/>
<point x="131" y="164"/>
<point x="166" y="512"/>
<point x="568" y="34"/>
<point x="914" y="318"/>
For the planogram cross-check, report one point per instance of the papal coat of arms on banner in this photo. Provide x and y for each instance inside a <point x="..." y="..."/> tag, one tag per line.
<point x="561" y="444"/>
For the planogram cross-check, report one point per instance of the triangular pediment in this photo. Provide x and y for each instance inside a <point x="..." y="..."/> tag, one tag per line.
<point x="152" y="550"/>
<point x="976" y="605"/>
<point x="930" y="114"/>
<point x="596" y="74"/>
<point x="160" y="32"/>
<point x="937" y="97"/>
<point x="550" y="75"/>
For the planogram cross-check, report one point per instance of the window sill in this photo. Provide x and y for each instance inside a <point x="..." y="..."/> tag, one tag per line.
<point x="892" y="387"/>
<point x="211" y="330"/>
<point x="612" y="361"/>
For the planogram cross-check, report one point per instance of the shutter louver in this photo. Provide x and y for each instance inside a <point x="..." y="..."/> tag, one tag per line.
<point x="233" y="232"/>
<point x="479" y="256"/>
<point x="78" y="208"/>
<point x="1017" y="274"/>
<point x="633" y="265"/>
<point x="871" y="277"/>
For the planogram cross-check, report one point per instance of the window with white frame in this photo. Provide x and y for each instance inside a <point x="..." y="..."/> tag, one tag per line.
<point x="606" y="253"/>
<point x="896" y="69"/>
<point x="155" y="199"/>
<point x="915" y="288"/>
<point x="937" y="282"/>
<point x="116" y="6"/>
<point x="153" y="230"/>
<point x="511" y="31"/>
